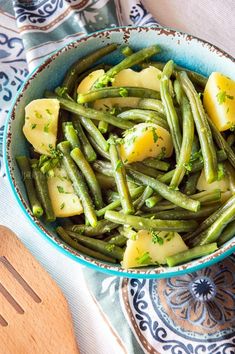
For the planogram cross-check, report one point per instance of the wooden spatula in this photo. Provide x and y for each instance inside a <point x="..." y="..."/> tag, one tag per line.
<point x="34" y="315"/>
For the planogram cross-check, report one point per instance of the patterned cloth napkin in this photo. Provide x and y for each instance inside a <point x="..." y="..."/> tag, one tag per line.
<point x="191" y="314"/>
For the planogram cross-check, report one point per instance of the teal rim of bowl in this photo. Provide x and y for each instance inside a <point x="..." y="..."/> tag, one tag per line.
<point x="49" y="239"/>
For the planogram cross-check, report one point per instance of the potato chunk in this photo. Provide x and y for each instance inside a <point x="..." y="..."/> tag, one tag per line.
<point x="146" y="140"/>
<point x="40" y="127"/>
<point x="219" y="100"/>
<point x="147" y="249"/>
<point x="64" y="201"/>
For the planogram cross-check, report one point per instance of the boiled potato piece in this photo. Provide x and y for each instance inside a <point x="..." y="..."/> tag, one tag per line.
<point x="147" y="78"/>
<point x="143" y="251"/>
<point x="40" y="127"/>
<point x="203" y="185"/>
<point x="64" y="201"/>
<point x="87" y="83"/>
<point x="146" y="140"/>
<point x="219" y="100"/>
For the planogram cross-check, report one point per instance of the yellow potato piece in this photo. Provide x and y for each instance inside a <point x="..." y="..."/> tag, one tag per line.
<point x="156" y="252"/>
<point x="40" y="127"/>
<point x="219" y="100"/>
<point x="147" y="78"/>
<point x="146" y="140"/>
<point x="64" y="201"/>
<point x="86" y="84"/>
<point x="203" y="185"/>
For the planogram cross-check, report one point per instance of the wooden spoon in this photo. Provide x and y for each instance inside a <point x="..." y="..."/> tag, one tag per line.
<point x="34" y="315"/>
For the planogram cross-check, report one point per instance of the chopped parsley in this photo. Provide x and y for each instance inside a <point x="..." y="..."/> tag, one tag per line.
<point x="38" y="115"/>
<point x="119" y="165"/>
<point x="110" y="247"/>
<point x="222" y="96"/>
<point x="60" y="189"/>
<point x="46" y="128"/>
<point x="188" y="166"/>
<point x="62" y="206"/>
<point x="33" y="126"/>
<point x="156" y="238"/>
<point x="155" y="136"/>
<point x="48" y="111"/>
<point x="123" y="92"/>
<point x="144" y="259"/>
<point x="220" y="172"/>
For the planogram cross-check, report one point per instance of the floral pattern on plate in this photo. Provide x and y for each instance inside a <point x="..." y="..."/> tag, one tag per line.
<point x="191" y="314"/>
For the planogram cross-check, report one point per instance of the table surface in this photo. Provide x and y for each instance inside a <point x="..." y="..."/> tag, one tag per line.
<point x="212" y="20"/>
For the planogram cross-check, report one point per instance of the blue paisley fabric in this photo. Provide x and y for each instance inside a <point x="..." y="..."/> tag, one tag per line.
<point x="191" y="314"/>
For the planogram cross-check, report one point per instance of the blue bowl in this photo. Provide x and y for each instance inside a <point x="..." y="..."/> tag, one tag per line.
<point x="184" y="49"/>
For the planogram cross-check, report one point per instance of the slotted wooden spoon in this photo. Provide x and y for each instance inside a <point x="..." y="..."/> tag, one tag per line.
<point x="34" y="315"/>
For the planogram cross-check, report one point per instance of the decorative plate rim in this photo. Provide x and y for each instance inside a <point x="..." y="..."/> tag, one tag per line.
<point x="160" y="272"/>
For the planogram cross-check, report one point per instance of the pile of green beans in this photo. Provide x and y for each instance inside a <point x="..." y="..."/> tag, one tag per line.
<point x="156" y="194"/>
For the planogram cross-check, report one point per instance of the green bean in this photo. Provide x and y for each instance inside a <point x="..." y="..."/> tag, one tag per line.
<point x="227" y="233"/>
<point x="214" y="231"/>
<point x="198" y="165"/>
<point x="174" y="196"/>
<point x="191" y="183"/>
<point x="101" y="228"/>
<point x="157" y="164"/>
<point x="91" y="113"/>
<point x="26" y="173"/>
<point x="103" y="247"/>
<point x="127" y="51"/>
<point x="203" y="129"/>
<point x="108" y="92"/>
<point x="208" y="196"/>
<point x="89" y="252"/>
<point x="92" y="130"/>
<point x="191" y="254"/>
<point x="172" y="118"/>
<point x="192" y="238"/>
<point x="180" y="214"/>
<point x="71" y="135"/>
<point x="83" y="64"/>
<point x="187" y="141"/>
<point x="41" y="187"/>
<point x="221" y="142"/>
<point x="103" y="127"/>
<point x="86" y="146"/>
<point x="116" y="203"/>
<point x="196" y="78"/>
<point x="105" y="182"/>
<point x="103" y="167"/>
<point x="128" y="232"/>
<point x="231" y="139"/>
<point x="86" y="73"/>
<point x="129" y="61"/>
<point x="151" y="104"/>
<point x="147" y="193"/>
<point x="144" y="115"/>
<point x="140" y="223"/>
<point x="147" y="170"/>
<point x="63" y="117"/>
<point x="152" y="201"/>
<point x="78" y="182"/>
<point x="118" y="240"/>
<point x="120" y="178"/>
<point x="204" y="197"/>
<point x="89" y="176"/>
<point x="98" y="149"/>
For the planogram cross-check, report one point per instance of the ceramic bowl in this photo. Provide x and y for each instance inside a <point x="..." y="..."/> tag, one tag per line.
<point x="186" y="51"/>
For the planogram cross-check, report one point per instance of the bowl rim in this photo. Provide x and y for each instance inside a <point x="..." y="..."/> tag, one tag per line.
<point x="159" y="272"/>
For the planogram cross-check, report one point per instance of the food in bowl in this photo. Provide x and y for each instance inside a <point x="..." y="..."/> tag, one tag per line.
<point x="134" y="160"/>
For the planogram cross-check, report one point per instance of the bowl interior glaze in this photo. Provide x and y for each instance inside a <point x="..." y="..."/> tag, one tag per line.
<point x="184" y="49"/>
